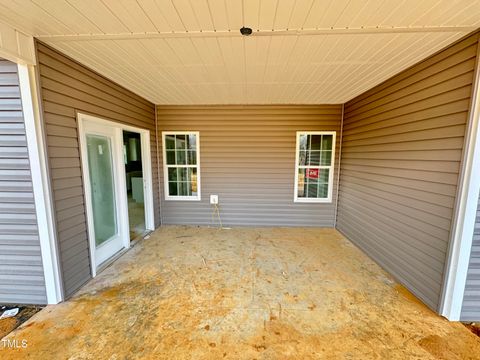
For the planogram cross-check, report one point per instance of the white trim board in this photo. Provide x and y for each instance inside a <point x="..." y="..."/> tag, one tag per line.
<point x="217" y="33"/>
<point x="339" y="164"/>
<point x="120" y="171"/>
<point x="40" y="183"/>
<point x="465" y="212"/>
<point x="16" y="46"/>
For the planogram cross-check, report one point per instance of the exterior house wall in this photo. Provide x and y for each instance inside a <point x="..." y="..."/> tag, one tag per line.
<point x="67" y="88"/>
<point x="471" y="298"/>
<point x="401" y="157"/>
<point x="21" y="270"/>
<point x="247" y="157"/>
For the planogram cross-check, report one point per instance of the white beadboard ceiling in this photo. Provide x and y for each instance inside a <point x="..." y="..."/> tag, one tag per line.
<point x="191" y="51"/>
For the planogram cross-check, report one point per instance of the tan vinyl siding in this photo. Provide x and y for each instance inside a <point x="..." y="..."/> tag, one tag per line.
<point x="471" y="297"/>
<point x="68" y="87"/>
<point x="21" y="270"/>
<point x="401" y="154"/>
<point x="248" y="159"/>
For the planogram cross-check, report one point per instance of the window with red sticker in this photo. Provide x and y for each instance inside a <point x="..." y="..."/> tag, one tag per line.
<point x="315" y="153"/>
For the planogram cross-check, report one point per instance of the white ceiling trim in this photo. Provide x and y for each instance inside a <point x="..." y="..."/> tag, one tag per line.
<point x="286" y="32"/>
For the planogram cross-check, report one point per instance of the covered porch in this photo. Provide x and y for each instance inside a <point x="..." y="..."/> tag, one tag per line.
<point x="243" y="293"/>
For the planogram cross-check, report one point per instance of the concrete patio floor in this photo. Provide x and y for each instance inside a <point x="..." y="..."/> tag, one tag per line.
<point x="244" y="293"/>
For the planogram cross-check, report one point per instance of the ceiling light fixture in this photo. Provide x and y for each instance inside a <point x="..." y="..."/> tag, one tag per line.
<point x="246" y="31"/>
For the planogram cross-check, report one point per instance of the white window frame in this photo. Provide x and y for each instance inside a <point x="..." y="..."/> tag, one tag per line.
<point x="328" y="199"/>
<point x="169" y="197"/>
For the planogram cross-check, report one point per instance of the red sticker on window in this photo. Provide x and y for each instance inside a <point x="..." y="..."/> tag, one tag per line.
<point x="312" y="173"/>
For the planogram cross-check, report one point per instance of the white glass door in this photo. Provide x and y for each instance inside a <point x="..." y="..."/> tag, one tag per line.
<point x="101" y="152"/>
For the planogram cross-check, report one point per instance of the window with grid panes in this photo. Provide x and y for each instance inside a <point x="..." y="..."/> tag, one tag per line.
<point x="181" y="165"/>
<point x="315" y="154"/>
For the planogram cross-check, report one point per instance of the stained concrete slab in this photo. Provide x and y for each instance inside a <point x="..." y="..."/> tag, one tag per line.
<point x="244" y="293"/>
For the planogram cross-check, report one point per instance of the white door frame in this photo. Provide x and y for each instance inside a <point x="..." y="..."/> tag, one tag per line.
<point x="118" y="163"/>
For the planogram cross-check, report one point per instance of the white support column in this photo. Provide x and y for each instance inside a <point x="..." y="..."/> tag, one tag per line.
<point x="16" y="46"/>
<point x="466" y="210"/>
<point x="41" y="187"/>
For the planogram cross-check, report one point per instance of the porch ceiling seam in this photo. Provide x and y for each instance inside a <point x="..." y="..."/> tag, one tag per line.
<point x="258" y="32"/>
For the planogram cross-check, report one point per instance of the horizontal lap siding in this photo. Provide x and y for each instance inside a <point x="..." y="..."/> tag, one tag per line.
<point x="401" y="154"/>
<point x="248" y="159"/>
<point x="471" y="298"/>
<point x="68" y="87"/>
<point x="21" y="269"/>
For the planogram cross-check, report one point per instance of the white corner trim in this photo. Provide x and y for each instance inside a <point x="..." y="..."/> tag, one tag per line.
<point x="465" y="212"/>
<point x="339" y="167"/>
<point x="41" y="188"/>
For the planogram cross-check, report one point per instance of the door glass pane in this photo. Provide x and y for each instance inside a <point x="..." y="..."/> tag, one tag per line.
<point x="100" y="169"/>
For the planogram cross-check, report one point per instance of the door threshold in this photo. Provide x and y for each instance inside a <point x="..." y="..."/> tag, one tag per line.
<point x="142" y="236"/>
<point x="120" y="253"/>
<point x="111" y="260"/>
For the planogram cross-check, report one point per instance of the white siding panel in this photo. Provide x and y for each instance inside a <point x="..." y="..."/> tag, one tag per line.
<point x="21" y="271"/>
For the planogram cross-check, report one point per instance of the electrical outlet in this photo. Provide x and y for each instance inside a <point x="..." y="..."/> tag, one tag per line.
<point x="214" y="199"/>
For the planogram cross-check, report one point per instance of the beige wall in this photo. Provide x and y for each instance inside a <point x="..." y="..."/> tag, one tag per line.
<point x="68" y="87"/>
<point x="402" y="148"/>
<point x="248" y="159"/>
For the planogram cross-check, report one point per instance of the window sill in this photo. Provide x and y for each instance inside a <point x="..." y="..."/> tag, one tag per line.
<point x="312" y="201"/>
<point x="182" y="198"/>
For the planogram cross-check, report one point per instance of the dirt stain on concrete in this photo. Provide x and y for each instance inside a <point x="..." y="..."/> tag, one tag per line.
<point x="159" y="301"/>
<point x="450" y="348"/>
